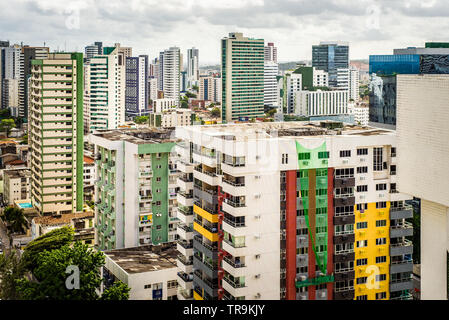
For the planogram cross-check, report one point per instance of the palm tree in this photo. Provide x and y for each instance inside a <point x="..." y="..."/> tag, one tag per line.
<point x="15" y="219"/>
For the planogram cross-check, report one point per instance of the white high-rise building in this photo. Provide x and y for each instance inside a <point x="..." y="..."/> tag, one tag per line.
<point x="169" y="73"/>
<point x="292" y="84"/>
<point x="11" y="67"/>
<point x="192" y="67"/>
<point x="104" y="91"/>
<point x="343" y="79"/>
<point x="422" y="152"/>
<point x="152" y="87"/>
<point x="321" y="102"/>
<point x="354" y="84"/>
<point x="271" y="52"/>
<point x="270" y="83"/>
<point x="320" y="78"/>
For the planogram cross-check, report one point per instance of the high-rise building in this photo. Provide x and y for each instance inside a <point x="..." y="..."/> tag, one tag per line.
<point x="242" y="65"/>
<point x="423" y="146"/>
<point x="10" y="95"/>
<point x="331" y="56"/>
<point x="93" y="50"/>
<point x="210" y="88"/>
<point x="135" y="191"/>
<point x="10" y="68"/>
<point x="271" y="52"/>
<point x="28" y="54"/>
<point x="292" y="210"/>
<point x="271" y="70"/>
<point x="354" y="84"/>
<point x="193" y="72"/>
<point x="56" y="133"/>
<point x="152" y="90"/>
<point x="105" y="90"/>
<point x="136" y="100"/>
<point x="169" y="73"/>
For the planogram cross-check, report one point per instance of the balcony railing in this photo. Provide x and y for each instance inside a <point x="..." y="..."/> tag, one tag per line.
<point x="185" y="244"/>
<point x="348" y="288"/>
<point x="233" y="183"/>
<point x="234" y="224"/>
<point x="185" y="276"/>
<point x="233" y="263"/>
<point x="233" y="283"/>
<point x="234" y="204"/>
<point x="185" y="261"/>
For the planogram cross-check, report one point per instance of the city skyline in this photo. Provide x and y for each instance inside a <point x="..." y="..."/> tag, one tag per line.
<point x="149" y="27"/>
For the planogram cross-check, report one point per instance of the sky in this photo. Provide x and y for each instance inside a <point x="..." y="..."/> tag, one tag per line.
<point x="150" y="26"/>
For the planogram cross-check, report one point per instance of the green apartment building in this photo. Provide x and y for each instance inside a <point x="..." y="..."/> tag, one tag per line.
<point x="56" y="133"/>
<point x="136" y="187"/>
<point x="242" y="61"/>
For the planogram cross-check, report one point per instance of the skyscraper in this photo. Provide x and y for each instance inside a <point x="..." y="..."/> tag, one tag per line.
<point x="136" y="100"/>
<point x="169" y="73"/>
<point x="105" y="90"/>
<point x="331" y="56"/>
<point x="242" y="65"/>
<point x="56" y="133"/>
<point x="270" y="83"/>
<point x="192" y="67"/>
<point x="93" y="50"/>
<point x="11" y="67"/>
<point x="271" y="52"/>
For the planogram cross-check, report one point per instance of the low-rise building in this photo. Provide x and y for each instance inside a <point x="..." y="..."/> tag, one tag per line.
<point x="165" y="104"/>
<point x="171" y="119"/>
<point x="149" y="271"/>
<point x="83" y="223"/>
<point x="88" y="177"/>
<point x="16" y="185"/>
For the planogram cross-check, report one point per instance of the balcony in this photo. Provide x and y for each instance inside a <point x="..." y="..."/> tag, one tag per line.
<point x="404" y="247"/>
<point x="234" y="287"/>
<point x="210" y="287"/>
<point x="401" y="230"/>
<point x="403" y="212"/>
<point x="207" y="195"/>
<point x="235" y="268"/>
<point x="401" y="266"/>
<point x="185" y="280"/>
<point x="184" y="183"/>
<point x="185" y="232"/>
<point x="184" y="167"/>
<point x="344" y="182"/>
<point x="209" y="269"/>
<point x="234" y="187"/>
<point x="206" y="176"/>
<point x="401" y="284"/>
<point x="185" y="199"/>
<point x="234" y="228"/>
<point x="145" y="198"/>
<point x="210" y="251"/>
<point x="185" y="248"/>
<point x="185" y="214"/>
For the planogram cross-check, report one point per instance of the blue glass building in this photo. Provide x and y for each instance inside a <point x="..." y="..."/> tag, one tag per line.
<point x="391" y="64"/>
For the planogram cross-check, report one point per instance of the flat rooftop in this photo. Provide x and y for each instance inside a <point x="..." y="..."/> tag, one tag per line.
<point x="270" y="130"/>
<point x="145" y="258"/>
<point x="138" y="136"/>
<point x="17" y="173"/>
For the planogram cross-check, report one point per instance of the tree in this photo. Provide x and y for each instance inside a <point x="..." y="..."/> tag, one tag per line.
<point x="7" y="124"/>
<point x="190" y="95"/>
<point x="53" y="282"/>
<point x="15" y="219"/>
<point x="52" y="240"/>
<point x="195" y="87"/>
<point x="141" y="119"/>
<point x="10" y="270"/>
<point x="215" y="112"/>
<point x="271" y="112"/>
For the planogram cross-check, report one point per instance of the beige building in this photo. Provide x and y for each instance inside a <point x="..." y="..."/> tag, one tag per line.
<point x="56" y="133"/>
<point x="171" y="119"/>
<point x="423" y="150"/>
<point x="16" y="185"/>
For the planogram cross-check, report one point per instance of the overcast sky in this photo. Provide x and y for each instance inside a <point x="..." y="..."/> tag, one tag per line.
<point x="149" y="26"/>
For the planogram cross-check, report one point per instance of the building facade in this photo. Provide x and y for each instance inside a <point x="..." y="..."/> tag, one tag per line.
<point x="331" y="56"/>
<point x="135" y="191"/>
<point x="321" y="102"/>
<point x="210" y="88"/>
<point x="16" y="185"/>
<point x="271" y="52"/>
<point x="242" y="65"/>
<point x="170" y="64"/>
<point x="292" y="211"/>
<point x="136" y="99"/>
<point x="271" y="70"/>
<point x="193" y="71"/>
<point x="56" y="133"/>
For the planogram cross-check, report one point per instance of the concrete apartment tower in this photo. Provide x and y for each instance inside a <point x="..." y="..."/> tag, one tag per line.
<point x="169" y="78"/>
<point x="423" y="147"/>
<point x="330" y="57"/>
<point x="56" y="133"/>
<point x="193" y="72"/>
<point x="242" y="65"/>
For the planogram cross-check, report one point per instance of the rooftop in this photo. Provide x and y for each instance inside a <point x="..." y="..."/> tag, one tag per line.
<point x="270" y="130"/>
<point x="138" y="136"/>
<point x="145" y="258"/>
<point x="17" y="173"/>
<point x="63" y="219"/>
<point x="88" y="160"/>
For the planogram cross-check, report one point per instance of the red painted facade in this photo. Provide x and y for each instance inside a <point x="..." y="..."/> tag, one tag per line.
<point x="290" y="226"/>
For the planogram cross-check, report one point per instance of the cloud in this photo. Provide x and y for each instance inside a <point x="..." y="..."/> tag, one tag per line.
<point x="149" y="26"/>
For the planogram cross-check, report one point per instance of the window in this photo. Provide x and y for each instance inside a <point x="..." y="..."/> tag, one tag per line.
<point x="362" y="225"/>
<point x="362" y="152"/>
<point x="381" y="241"/>
<point x="362" y="262"/>
<point x="304" y="156"/>
<point x="393" y="152"/>
<point x="393" y="169"/>
<point x="377" y="159"/>
<point x="363" y="188"/>
<point x="345" y="153"/>
<point x="381" y="259"/>
<point x="381" y="223"/>
<point x="364" y="297"/>
<point x="361" y="280"/>
<point x="323" y="155"/>
<point x="284" y="158"/>
<point x="381" y="186"/>
<point x="381" y="295"/>
<point x="172" y="284"/>
<point x="381" y="277"/>
<point x="302" y="174"/>
<point x="381" y="205"/>
<point x="362" y="206"/>
<point x="393" y="188"/>
<point x="147" y="286"/>
<point x="344" y="173"/>
<point x="362" y="243"/>
<point x="362" y="169"/>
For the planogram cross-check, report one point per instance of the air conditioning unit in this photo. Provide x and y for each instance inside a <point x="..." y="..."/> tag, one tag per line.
<point x="257" y="216"/>
<point x="257" y="196"/>
<point x="257" y="256"/>
<point x="257" y="157"/>
<point x="257" y="236"/>
<point x="345" y="161"/>
<point x="257" y="177"/>
<point x="302" y="278"/>
<point x="257" y="295"/>
<point x="257" y="276"/>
